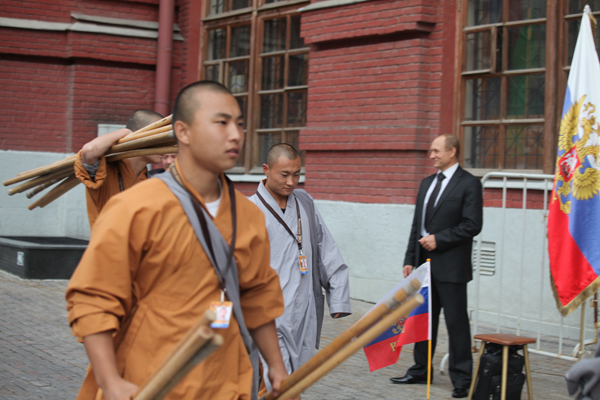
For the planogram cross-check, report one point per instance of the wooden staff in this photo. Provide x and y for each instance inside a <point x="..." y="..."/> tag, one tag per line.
<point x="141" y="152"/>
<point x="161" y="138"/>
<point x="55" y="193"/>
<point x="154" y="125"/>
<point x="363" y="340"/>
<point x="41" y="187"/>
<point x="73" y="157"/>
<point x="131" y="137"/>
<point x="61" y="173"/>
<point x="359" y="327"/>
<point x="190" y="350"/>
<point x="67" y="162"/>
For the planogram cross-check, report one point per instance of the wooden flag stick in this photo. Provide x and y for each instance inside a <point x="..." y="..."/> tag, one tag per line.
<point x="367" y="337"/>
<point x="141" y="152"/>
<point x="359" y="327"/>
<point x="177" y="363"/>
<point x="67" y="162"/>
<point x="161" y="138"/>
<point x="154" y="125"/>
<point x="41" y="187"/>
<point x="55" y="193"/>
<point x="131" y="137"/>
<point x="61" y="173"/>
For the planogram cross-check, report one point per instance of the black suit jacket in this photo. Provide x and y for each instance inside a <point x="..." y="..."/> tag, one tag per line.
<point x="456" y="219"/>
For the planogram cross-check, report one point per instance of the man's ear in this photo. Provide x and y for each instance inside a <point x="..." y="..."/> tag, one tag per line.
<point x="266" y="169"/>
<point x="182" y="132"/>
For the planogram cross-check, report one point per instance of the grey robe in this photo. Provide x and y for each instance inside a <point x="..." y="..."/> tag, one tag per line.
<point x="298" y="328"/>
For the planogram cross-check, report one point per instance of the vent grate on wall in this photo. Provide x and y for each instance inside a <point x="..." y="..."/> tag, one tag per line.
<point x="488" y="258"/>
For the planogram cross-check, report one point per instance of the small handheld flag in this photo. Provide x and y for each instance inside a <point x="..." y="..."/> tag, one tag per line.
<point x="385" y="350"/>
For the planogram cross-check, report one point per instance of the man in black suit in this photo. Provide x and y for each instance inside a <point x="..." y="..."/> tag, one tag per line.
<point x="448" y="214"/>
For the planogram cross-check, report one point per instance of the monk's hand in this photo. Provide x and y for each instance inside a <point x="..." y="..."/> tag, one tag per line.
<point x="277" y="374"/>
<point x="407" y="269"/>
<point x="428" y="242"/>
<point x="120" y="389"/>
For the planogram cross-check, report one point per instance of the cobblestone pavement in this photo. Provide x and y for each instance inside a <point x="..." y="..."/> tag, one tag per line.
<point x="39" y="359"/>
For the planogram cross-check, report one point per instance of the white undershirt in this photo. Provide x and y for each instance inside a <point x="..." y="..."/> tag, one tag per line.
<point x="213" y="207"/>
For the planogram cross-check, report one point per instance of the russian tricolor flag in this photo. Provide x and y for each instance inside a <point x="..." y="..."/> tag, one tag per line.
<point x="574" y="212"/>
<point x="385" y="350"/>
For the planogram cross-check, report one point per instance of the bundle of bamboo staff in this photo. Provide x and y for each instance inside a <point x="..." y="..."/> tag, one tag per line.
<point x="198" y="344"/>
<point x="354" y="338"/>
<point x="156" y="138"/>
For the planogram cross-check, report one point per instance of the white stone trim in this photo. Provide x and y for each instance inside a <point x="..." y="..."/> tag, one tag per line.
<point x="330" y="4"/>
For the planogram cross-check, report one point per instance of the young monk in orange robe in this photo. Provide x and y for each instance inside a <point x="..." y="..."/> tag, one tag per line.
<point x="144" y="251"/>
<point x="103" y="180"/>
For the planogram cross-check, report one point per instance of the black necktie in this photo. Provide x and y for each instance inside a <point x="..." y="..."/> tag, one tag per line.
<point x="432" y="199"/>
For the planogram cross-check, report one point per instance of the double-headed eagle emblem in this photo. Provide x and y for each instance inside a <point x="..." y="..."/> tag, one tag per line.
<point x="578" y="175"/>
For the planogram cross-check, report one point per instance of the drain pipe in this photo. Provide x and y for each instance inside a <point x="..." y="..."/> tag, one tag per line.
<point x="164" y="52"/>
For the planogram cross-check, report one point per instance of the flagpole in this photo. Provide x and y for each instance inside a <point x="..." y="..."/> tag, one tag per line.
<point x="428" y="368"/>
<point x="581" y="330"/>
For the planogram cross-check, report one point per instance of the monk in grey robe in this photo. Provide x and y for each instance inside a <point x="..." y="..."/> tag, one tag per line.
<point x="306" y="260"/>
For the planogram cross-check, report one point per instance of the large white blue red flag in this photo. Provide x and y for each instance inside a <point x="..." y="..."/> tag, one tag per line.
<point x="385" y="350"/>
<point x="574" y="213"/>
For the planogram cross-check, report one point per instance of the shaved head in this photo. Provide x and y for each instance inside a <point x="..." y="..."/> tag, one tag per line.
<point x="186" y="102"/>
<point x="281" y="149"/>
<point x="142" y="118"/>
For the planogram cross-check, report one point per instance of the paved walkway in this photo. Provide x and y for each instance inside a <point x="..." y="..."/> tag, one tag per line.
<point x="39" y="359"/>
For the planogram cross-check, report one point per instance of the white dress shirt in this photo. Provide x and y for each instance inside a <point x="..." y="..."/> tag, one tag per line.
<point x="448" y="175"/>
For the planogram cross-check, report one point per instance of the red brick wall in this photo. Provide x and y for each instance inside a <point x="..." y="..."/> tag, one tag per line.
<point x="59" y="85"/>
<point x="374" y="98"/>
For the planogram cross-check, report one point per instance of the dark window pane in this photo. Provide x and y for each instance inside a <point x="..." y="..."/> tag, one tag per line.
<point x="218" y="6"/>
<point x="481" y="147"/>
<point x="296" y="42"/>
<point x="265" y="142"/>
<point x="240" y="41"/>
<point x="217" y="42"/>
<point x="525" y="96"/>
<point x="271" y="1"/>
<point x="238" y="76"/>
<point x="527" y="47"/>
<point x="574" y="32"/>
<point x="212" y="73"/>
<point x="483" y="12"/>
<point x="272" y="73"/>
<point x="296" y="112"/>
<point x="238" y="4"/>
<point x="271" y="110"/>
<point x="293" y="138"/>
<point x="524" y="147"/>
<point x="274" y="35"/>
<point x="482" y="99"/>
<point x="576" y="6"/>
<point x="478" y="51"/>
<point x="298" y="70"/>
<point x="519" y="10"/>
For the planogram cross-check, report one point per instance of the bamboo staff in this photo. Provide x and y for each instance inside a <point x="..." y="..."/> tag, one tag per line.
<point x="198" y="343"/>
<point x="161" y="138"/>
<point x="67" y="162"/>
<point x="136" y="135"/>
<point x="141" y="152"/>
<point x="55" y="193"/>
<point x="358" y="328"/>
<point x="366" y="338"/>
<point x="40" y="188"/>
<point x="154" y="125"/>
<point x="39" y="169"/>
<point x="61" y="173"/>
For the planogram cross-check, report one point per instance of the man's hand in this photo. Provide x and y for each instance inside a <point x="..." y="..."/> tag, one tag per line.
<point x="276" y="376"/>
<point x="92" y="151"/>
<point x="407" y="269"/>
<point x="428" y="242"/>
<point x="120" y="389"/>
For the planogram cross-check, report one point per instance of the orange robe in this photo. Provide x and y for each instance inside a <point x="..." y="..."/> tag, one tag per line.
<point x="143" y="240"/>
<point x="105" y="184"/>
